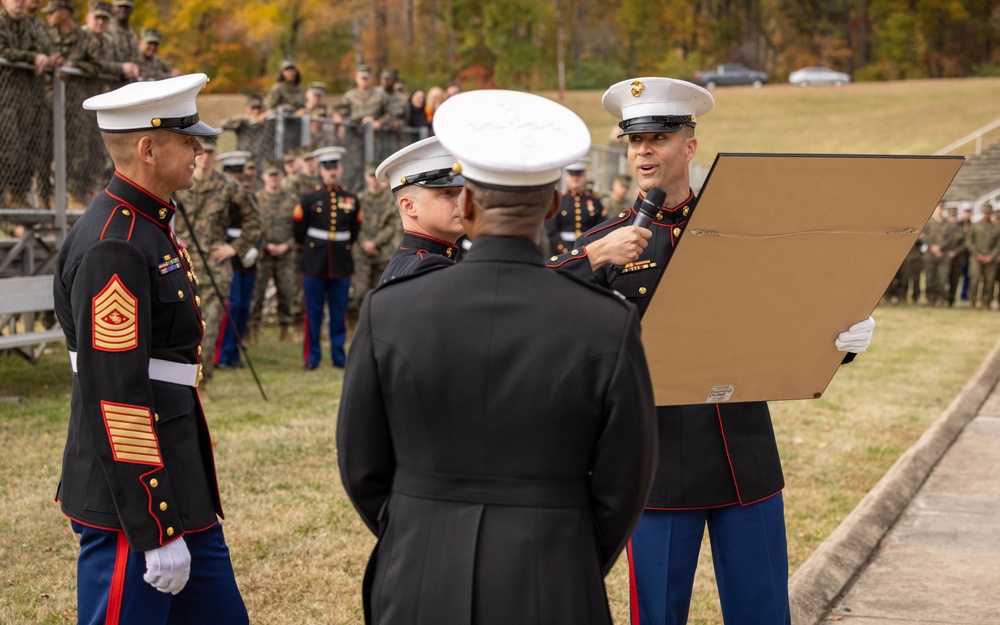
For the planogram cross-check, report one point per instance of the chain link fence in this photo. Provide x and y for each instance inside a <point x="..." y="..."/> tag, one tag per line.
<point x="283" y="132"/>
<point x="32" y="108"/>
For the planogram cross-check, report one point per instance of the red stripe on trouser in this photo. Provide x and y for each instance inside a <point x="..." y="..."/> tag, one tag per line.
<point x="117" y="582"/>
<point x="633" y="592"/>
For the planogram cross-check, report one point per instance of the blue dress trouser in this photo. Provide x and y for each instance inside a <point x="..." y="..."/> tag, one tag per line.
<point x="750" y="554"/>
<point x="240" y="298"/>
<point x="332" y="292"/>
<point x="111" y="591"/>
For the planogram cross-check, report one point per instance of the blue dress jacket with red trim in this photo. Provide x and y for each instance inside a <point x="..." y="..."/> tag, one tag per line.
<point x="419" y="252"/>
<point x="710" y="454"/>
<point x="138" y="452"/>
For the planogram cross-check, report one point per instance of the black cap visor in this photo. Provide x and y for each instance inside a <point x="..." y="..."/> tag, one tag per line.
<point x="434" y="179"/>
<point x="654" y="123"/>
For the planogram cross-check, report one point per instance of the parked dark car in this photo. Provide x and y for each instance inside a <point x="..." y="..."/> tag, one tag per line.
<point x="730" y="74"/>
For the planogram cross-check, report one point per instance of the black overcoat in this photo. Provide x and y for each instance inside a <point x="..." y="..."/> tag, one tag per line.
<point x="497" y="432"/>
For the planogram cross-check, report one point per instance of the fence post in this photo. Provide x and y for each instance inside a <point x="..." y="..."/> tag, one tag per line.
<point x="59" y="154"/>
<point x="279" y="134"/>
<point x="369" y="150"/>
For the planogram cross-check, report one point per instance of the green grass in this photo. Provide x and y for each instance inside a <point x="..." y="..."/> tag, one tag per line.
<point x="298" y="547"/>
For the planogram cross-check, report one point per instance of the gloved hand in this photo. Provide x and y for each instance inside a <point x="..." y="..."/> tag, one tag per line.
<point x="857" y="338"/>
<point x="168" y="567"/>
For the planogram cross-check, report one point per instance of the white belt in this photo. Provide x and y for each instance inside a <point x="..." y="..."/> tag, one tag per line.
<point x="165" y="371"/>
<point x="567" y="236"/>
<point x="326" y="235"/>
<point x="234" y="232"/>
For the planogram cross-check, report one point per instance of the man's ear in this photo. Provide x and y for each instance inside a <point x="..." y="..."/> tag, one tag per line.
<point x="466" y="204"/>
<point x="145" y="149"/>
<point x="407" y="207"/>
<point x="556" y="202"/>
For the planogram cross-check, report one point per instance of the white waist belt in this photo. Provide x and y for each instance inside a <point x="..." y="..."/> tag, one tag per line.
<point x="326" y="235"/>
<point x="567" y="236"/>
<point x="164" y="371"/>
<point x="234" y="232"/>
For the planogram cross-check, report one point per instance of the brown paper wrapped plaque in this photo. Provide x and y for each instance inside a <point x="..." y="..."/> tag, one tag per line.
<point x="782" y="254"/>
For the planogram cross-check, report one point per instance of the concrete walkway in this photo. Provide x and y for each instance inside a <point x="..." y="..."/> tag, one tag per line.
<point x="923" y="546"/>
<point x="940" y="563"/>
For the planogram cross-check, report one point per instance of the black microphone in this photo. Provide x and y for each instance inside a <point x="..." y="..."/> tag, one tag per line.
<point x="649" y="206"/>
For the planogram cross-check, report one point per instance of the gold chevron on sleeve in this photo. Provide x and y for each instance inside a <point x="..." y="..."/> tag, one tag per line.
<point x="116" y="318"/>
<point x="130" y="431"/>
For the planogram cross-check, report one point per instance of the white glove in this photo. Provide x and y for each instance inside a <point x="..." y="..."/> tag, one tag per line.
<point x="857" y="338"/>
<point x="250" y="257"/>
<point x="168" y="567"/>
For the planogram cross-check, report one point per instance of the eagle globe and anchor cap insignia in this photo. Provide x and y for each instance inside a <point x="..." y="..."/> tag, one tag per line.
<point x="116" y="318"/>
<point x="637" y="88"/>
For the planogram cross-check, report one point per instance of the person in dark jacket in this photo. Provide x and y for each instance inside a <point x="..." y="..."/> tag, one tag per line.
<point x="425" y="186"/>
<point x="325" y="223"/>
<point x="502" y="489"/>
<point x="719" y="463"/>
<point x="138" y="479"/>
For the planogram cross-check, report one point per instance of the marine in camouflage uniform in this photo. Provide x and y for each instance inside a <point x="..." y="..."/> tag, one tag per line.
<point x="151" y="66"/>
<point x="306" y="179"/>
<point x="278" y="260"/>
<point x="22" y="112"/>
<point x="943" y="240"/>
<point x="284" y="93"/>
<point x="983" y="244"/>
<point x="380" y="235"/>
<point x="124" y="41"/>
<point x="209" y="205"/>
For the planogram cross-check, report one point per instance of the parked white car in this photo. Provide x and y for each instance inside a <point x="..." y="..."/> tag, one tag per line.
<point x="818" y="76"/>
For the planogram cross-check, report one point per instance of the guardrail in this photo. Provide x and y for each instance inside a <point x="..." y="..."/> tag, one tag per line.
<point x="976" y="136"/>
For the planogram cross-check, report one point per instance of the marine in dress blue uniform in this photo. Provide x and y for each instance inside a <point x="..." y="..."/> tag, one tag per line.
<point x="578" y="212"/>
<point x="425" y="185"/>
<point x="244" y="269"/>
<point x="719" y="463"/>
<point x="326" y="223"/>
<point x="501" y="490"/>
<point x="138" y="475"/>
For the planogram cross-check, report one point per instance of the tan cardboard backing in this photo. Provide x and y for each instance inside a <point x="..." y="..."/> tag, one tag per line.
<point x="782" y="253"/>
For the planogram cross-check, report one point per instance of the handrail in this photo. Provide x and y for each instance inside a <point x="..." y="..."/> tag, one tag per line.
<point x="977" y="135"/>
<point x="983" y="199"/>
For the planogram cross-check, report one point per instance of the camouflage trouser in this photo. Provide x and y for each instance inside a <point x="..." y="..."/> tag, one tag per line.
<point x="212" y="311"/>
<point x="366" y="276"/>
<point x="906" y="283"/>
<point x="936" y="273"/>
<point x="283" y="270"/>
<point x="983" y="275"/>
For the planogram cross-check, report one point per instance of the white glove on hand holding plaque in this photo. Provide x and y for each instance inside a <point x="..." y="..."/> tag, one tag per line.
<point x="857" y="338"/>
<point x="168" y="567"/>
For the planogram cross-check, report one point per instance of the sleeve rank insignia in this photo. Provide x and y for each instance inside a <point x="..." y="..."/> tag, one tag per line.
<point x="638" y="266"/>
<point x="116" y="318"/>
<point x="130" y="430"/>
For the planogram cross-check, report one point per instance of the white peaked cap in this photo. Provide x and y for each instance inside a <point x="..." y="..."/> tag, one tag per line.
<point x="638" y="101"/>
<point x="168" y="104"/>
<point x="425" y="163"/>
<point x="510" y="138"/>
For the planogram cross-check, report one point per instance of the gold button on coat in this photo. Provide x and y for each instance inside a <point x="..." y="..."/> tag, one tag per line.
<point x="153" y="483"/>
<point x="180" y="294"/>
<point x="642" y="290"/>
<point x="156" y="416"/>
<point x="170" y="531"/>
<point x="677" y="232"/>
<point x="687" y="209"/>
<point x="163" y="505"/>
<point x="659" y="215"/>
